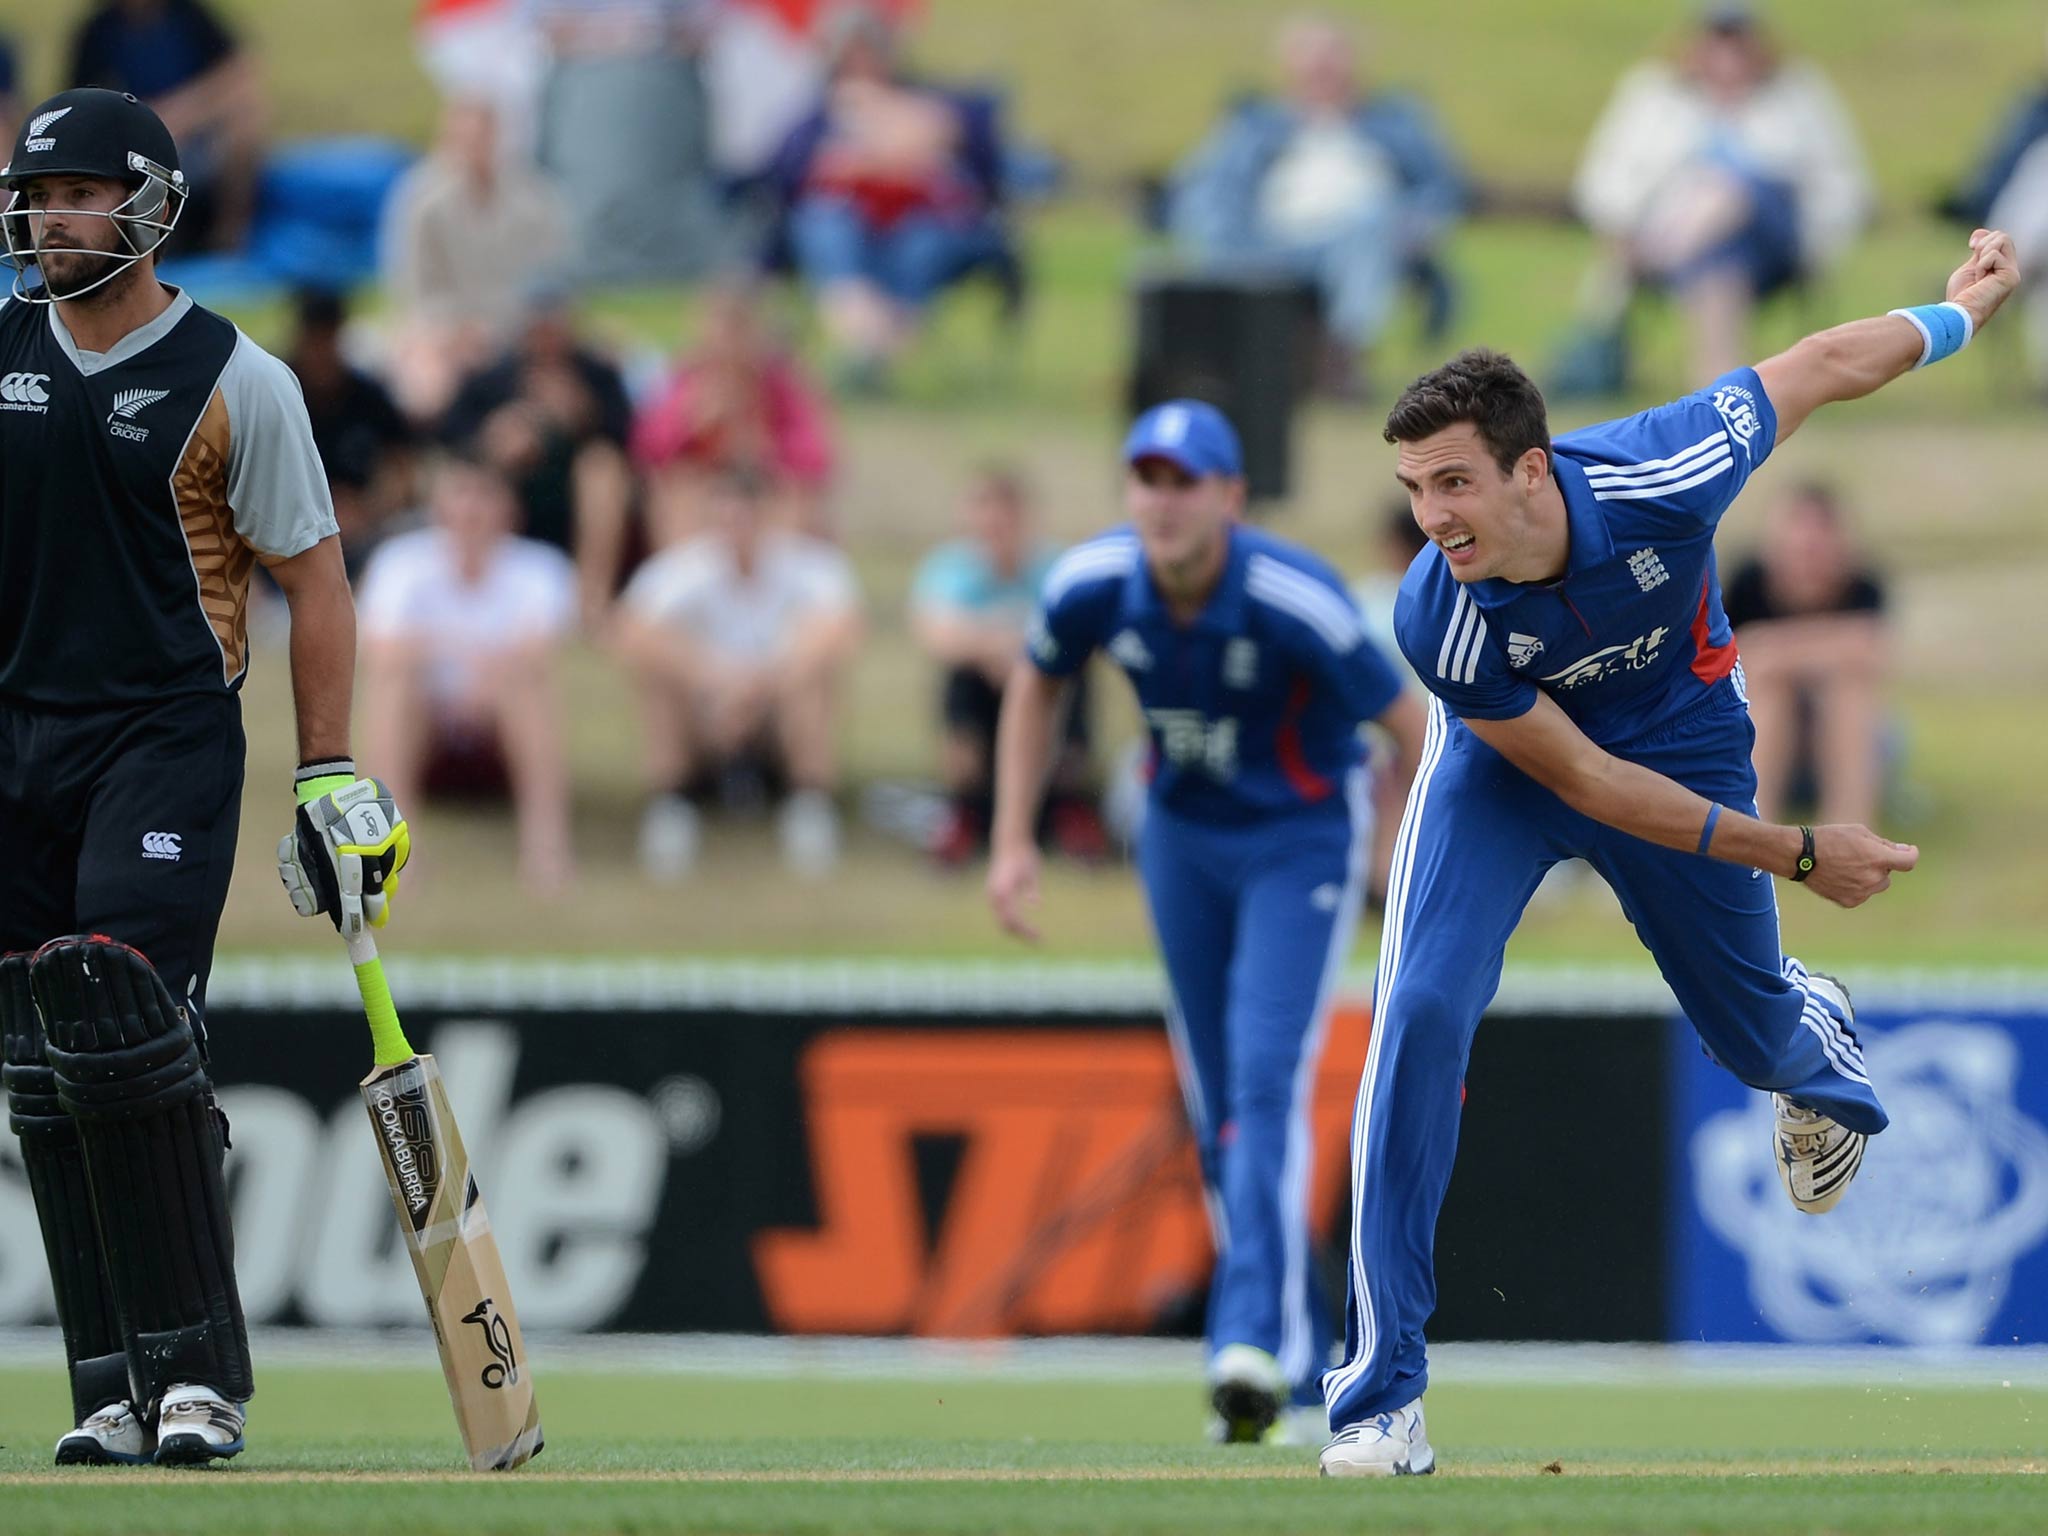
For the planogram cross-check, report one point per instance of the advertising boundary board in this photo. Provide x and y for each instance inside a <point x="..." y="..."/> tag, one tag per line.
<point x="898" y="1147"/>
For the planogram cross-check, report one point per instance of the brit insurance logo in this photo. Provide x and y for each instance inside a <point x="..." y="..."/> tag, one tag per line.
<point x="1610" y="661"/>
<point x="38" y="140"/>
<point x="1738" y="409"/>
<point x="1922" y="1249"/>
<point x="25" y="392"/>
<point x="128" y="404"/>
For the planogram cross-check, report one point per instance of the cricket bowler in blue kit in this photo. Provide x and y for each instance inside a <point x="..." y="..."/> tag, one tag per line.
<point x="1252" y="667"/>
<point x="1588" y="702"/>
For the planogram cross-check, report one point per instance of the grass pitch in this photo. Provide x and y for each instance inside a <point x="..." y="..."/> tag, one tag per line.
<point x="350" y="1450"/>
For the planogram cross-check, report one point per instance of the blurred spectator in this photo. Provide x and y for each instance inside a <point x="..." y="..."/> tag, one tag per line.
<point x="737" y="399"/>
<point x="486" y="51"/>
<point x="2024" y="126"/>
<point x="1809" y="620"/>
<point x="553" y="416"/>
<point x="625" y="134"/>
<point x="1722" y="180"/>
<point x="893" y="190"/>
<point x="10" y="93"/>
<point x="469" y="233"/>
<point x="2011" y="186"/>
<point x="364" y="440"/>
<point x="765" y="70"/>
<point x="178" y="56"/>
<point x="969" y="606"/>
<point x="1349" y="186"/>
<point x="461" y="622"/>
<point x="740" y="639"/>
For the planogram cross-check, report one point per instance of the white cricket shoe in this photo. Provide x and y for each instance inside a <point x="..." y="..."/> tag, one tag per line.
<point x="670" y="836"/>
<point x="110" y="1436"/>
<point x="808" y="826"/>
<point x="1817" y="1157"/>
<point x="195" y="1425"/>
<point x="1247" y="1391"/>
<point x="1385" y="1445"/>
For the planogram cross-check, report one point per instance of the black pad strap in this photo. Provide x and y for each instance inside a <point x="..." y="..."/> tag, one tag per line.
<point x="55" y="1165"/>
<point x="129" y="1073"/>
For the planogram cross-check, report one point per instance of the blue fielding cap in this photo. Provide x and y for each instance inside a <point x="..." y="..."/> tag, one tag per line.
<point x="1191" y="434"/>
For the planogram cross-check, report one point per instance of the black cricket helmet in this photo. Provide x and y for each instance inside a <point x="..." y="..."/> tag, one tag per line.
<point x="98" y="133"/>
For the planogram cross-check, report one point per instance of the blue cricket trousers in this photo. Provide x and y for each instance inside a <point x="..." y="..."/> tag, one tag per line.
<point x="1255" y="922"/>
<point x="1477" y="837"/>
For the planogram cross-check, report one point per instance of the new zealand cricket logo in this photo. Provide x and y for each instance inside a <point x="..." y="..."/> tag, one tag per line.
<point x="499" y="1337"/>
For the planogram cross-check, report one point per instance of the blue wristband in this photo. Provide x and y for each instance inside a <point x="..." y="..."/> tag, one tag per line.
<point x="1707" y="832"/>
<point x="1945" y="329"/>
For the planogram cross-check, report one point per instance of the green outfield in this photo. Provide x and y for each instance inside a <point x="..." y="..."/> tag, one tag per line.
<point x="346" y="1450"/>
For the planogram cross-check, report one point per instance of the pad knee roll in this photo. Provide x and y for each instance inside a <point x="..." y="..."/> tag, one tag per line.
<point x="55" y="1165"/>
<point x="128" y="1071"/>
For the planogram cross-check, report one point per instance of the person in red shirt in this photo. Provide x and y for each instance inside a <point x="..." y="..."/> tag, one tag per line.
<point x="891" y="189"/>
<point x="737" y="400"/>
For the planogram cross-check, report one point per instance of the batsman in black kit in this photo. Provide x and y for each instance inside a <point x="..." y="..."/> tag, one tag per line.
<point x="150" y="456"/>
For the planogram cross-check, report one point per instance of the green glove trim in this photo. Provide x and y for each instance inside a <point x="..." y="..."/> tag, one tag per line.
<point x="310" y="790"/>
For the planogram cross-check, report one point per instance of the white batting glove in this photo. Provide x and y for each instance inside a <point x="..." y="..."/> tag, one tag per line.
<point x="343" y="855"/>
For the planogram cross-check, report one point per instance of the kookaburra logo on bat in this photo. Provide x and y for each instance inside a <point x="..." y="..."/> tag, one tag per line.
<point x="499" y="1338"/>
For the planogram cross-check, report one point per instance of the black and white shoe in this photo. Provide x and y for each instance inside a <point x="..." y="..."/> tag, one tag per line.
<point x="1394" y="1444"/>
<point x="1246" y="1394"/>
<point x="111" y="1436"/>
<point x="196" y="1425"/>
<point x="1817" y="1157"/>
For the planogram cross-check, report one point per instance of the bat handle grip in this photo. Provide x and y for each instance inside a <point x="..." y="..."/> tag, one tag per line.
<point x="387" y="1035"/>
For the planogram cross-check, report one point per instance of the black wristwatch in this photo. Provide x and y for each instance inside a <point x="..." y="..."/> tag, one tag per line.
<point x="1805" y="865"/>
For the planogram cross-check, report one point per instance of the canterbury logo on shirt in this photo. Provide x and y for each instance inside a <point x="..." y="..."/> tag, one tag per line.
<point x="24" y="392"/>
<point x="163" y="845"/>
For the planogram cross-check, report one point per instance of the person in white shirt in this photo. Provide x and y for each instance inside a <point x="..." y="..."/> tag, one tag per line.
<point x="468" y="235"/>
<point x="740" y="639"/>
<point x="1721" y="179"/>
<point x="461" y="622"/>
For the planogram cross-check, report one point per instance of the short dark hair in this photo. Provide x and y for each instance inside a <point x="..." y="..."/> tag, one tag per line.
<point x="1482" y="387"/>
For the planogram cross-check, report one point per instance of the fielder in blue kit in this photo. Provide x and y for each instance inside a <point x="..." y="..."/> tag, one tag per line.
<point x="1251" y="664"/>
<point x="1587" y="702"/>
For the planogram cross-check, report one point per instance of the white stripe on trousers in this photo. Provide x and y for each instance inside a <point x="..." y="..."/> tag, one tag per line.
<point x="1297" y="1169"/>
<point x="1391" y="936"/>
<point x="1184" y="1068"/>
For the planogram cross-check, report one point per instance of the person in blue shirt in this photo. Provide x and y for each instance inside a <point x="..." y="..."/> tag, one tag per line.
<point x="1587" y="701"/>
<point x="1251" y="666"/>
<point x="969" y="604"/>
<point x="179" y="56"/>
<point x="1351" y="186"/>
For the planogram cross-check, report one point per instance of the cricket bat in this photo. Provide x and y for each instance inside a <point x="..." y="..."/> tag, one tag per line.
<point x="448" y="1234"/>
